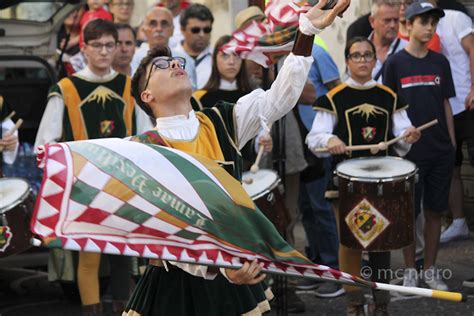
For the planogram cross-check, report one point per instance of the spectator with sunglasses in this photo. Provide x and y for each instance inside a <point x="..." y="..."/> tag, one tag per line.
<point x="196" y="26"/>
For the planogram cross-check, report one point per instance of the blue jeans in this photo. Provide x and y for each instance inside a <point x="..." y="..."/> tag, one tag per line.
<point x="319" y="221"/>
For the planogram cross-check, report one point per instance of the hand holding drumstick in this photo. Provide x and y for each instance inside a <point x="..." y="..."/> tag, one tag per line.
<point x="9" y="141"/>
<point x="411" y="135"/>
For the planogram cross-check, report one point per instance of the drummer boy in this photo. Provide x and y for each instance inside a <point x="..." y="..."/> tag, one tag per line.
<point x="361" y="112"/>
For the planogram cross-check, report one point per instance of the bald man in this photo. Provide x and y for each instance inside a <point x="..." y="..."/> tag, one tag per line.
<point x="158" y="28"/>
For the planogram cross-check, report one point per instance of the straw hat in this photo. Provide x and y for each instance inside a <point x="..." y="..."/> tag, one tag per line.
<point x="246" y="15"/>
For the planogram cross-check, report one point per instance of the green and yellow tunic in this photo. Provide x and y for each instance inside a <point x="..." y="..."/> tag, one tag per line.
<point x="96" y="110"/>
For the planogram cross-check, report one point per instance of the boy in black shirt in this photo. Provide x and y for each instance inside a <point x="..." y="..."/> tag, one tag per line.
<point x="423" y="79"/>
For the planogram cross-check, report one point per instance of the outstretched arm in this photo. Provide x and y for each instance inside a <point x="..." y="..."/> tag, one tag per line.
<point x="286" y="90"/>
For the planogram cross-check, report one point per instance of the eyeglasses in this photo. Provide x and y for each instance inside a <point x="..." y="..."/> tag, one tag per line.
<point x="164" y="62"/>
<point x="357" y="57"/>
<point x="123" y="4"/>
<point x="196" y="30"/>
<point x="98" y="47"/>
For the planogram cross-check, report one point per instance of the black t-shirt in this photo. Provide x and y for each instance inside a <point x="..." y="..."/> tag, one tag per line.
<point x="424" y="83"/>
<point x="360" y="27"/>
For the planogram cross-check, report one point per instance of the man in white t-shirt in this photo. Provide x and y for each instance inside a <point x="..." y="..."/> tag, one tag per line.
<point x="457" y="44"/>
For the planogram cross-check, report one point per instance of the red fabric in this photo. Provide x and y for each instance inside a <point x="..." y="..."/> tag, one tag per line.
<point x="434" y="44"/>
<point x="93" y="15"/>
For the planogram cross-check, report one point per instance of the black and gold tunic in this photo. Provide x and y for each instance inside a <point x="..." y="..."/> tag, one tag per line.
<point x="363" y="114"/>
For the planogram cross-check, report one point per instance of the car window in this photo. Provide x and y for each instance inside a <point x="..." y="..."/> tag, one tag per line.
<point x="28" y="11"/>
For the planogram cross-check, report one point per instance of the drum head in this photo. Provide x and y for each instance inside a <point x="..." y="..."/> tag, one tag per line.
<point x="374" y="168"/>
<point x="12" y="191"/>
<point x="261" y="181"/>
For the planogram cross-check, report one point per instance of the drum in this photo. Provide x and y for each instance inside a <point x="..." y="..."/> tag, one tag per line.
<point x="376" y="203"/>
<point x="16" y="205"/>
<point x="266" y="190"/>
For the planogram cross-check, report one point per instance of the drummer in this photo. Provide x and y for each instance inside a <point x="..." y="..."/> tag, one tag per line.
<point x="361" y="112"/>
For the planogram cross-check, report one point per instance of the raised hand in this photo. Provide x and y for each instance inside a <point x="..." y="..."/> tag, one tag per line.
<point x="323" y="18"/>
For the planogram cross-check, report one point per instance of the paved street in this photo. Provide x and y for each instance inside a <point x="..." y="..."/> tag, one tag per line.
<point x="27" y="292"/>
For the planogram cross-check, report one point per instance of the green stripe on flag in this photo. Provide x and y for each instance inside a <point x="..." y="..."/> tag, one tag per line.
<point x="83" y="193"/>
<point x="132" y="214"/>
<point x="187" y="234"/>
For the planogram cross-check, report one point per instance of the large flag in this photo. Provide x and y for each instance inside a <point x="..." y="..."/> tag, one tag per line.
<point x="264" y="42"/>
<point x="121" y="197"/>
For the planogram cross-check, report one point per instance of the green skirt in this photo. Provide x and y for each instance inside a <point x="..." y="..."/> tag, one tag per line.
<point x="176" y="292"/>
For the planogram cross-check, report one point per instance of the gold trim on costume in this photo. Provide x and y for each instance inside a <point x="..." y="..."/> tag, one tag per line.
<point x="129" y="106"/>
<point x="367" y="109"/>
<point x="72" y="102"/>
<point x="225" y="128"/>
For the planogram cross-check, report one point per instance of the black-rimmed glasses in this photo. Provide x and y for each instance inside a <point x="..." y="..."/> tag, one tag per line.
<point x="357" y="57"/>
<point x="164" y="62"/>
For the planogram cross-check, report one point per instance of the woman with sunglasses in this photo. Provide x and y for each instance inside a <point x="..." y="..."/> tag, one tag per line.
<point x="335" y="113"/>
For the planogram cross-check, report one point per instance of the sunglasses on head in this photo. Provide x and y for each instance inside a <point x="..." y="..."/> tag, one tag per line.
<point x="196" y="29"/>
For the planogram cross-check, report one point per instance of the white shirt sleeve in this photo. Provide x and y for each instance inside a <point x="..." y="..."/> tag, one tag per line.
<point x="9" y="156"/>
<point x="321" y="132"/>
<point x="400" y="123"/>
<point x="462" y="25"/>
<point x="51" y="126"/>
<point x="194" y="269"/>
<point x="144" y="122"/>
<point x="274" y="103"/>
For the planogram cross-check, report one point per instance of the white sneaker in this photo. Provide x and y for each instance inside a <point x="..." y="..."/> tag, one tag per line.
<point x="410" y="277"/>
<point x="457" y="230"/>
<point x="434" y="279"/>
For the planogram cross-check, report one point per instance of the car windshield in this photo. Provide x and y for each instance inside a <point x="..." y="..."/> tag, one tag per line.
<point x="40" y="11"/>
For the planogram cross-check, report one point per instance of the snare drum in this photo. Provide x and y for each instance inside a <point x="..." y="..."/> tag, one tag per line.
<point x="376" y="203"/>
<point x="16" y="205"/>
<point x="266" y="190"/>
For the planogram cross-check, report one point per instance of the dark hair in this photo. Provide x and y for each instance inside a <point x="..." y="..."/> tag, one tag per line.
<point x="196" y="11"/>
<point x="215" y="79"/>
<point x="426" y="16"/>
<point x="126" y="26"/>
<point x="139" y="79"/>
<point x="357" y="39"/>
<point x="95" y="29"/>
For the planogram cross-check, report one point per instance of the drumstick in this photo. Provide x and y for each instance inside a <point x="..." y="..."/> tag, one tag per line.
<point x="384" y="145"/>
<point x="255" y="167"/>
<point x="13" y="130"/>
<point x="9" y="116"/>
<point x="376" y="146"/>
